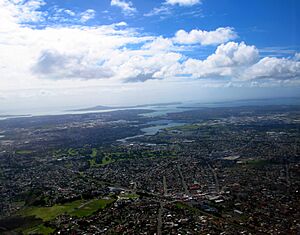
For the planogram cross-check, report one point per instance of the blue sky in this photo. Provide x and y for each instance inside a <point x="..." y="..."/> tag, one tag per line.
<point x="112" y="51"/>
<point x="265" y="23"/>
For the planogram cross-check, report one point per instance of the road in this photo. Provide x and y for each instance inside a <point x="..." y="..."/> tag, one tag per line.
<point x="165" y="185"/>
<point x="287" y="169"/>
<point x="186" y="191"/>
<point x="217" y="186"/>
<point x="159" y="218"/>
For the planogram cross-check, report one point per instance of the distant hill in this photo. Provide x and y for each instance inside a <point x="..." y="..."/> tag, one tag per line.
<point x="101" y="107"/>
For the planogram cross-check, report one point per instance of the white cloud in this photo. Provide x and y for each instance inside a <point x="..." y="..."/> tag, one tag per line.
<point x="54" y="65"/>
<point x="240" y="62"/>
<point x="159" y="44"/>
<point x="232" y="53"/>
<point x="27" y="11"/>
<point x="106" y="55"/>
<point x="87" y="15"/>
<point x="217" y="36"/>
<point x="62" y="15"/>
<point x="13" y="13"/>
<point x="142" y="68"/>
<point x="120" y="24"/>
<point x="127" y="7"/>
<point x="162" y="11"/>
<point x="70" y="12"/>
<point x="168" y="9"/>
<point x="274" y="68"/>
<point x="183" y="2"/>
<point x="31" y="57"/>
<point x="229" y="60"/>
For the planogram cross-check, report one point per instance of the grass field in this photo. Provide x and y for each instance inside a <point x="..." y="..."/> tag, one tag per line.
<point x="94" y="152"/>
<point x="91" y="207"/>
<point x="106" y="160"/>
<point x="72" y="152"/>
<point x="79" y="208"/>
<point x="40" y="229"/>
<point x="188" y="127"/>
<point x="129" y="196"/>
<point x="21" y="152"/>
<point x="256" y="163"/>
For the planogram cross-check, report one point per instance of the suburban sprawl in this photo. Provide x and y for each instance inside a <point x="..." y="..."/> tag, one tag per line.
<point x="211" y="170"/>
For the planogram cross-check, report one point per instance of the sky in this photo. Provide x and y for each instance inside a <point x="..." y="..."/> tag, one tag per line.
<point x="78" y="53"/>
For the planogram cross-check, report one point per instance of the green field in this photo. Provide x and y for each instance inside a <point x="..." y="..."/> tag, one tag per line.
<point x="40" y="229"/>
<point x="91" y="207"/>
<point x="106" y="160"/>
<point x="257" y="162"/>
<point x="72" y="152"/>
<point x="78" y="208"/>
<point x="23" y="152"/>
<point x="94" y="152"/>
<point x="129" y="196"/>
<point x="188" y="127"/>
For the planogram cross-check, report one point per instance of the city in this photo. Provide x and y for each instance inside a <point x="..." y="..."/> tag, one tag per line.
<point x="237" y="173"/>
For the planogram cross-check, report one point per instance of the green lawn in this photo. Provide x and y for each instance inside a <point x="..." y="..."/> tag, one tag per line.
<point x="92" y="162"/>
<point x="49" y="213"/>
<point x="91" y="207"/>
<point x="257" y="162"/>
<point x="21" y="152"/>
<point x="106" y="160"/>
<point x="180" y="205"/>
<point x="188" y="127"/>
<point x="77" y="208"/>
<point x="129" y="196"/>
<point x="94" y="152"/>
<point x="40" y="229"/>
<point x="72" y="152"/>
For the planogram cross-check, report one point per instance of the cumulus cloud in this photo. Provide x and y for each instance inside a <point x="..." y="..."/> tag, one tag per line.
<point x="183" y="2"/>
<point x="241" y="62"/>
<point x="157" y="66"/>
<point x="229" y="60"/>
<point x="162" y="11"/>
<point x="232" y="53"/>
<point x="79" y="55"/>
<point x="87" y="15"/>
<point x="52" y="64"/>
<point x="127" y="7"/>
<point x="24" y="11"/>
<point x="167" y="9"/>
<point x="13" y="13"/>
<point x="217" y="36"/>
<point x="69" y="12"/>
<point x="27" y="13"/>
<point x="159" y="44"/>
<point x="274" y="68"/>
